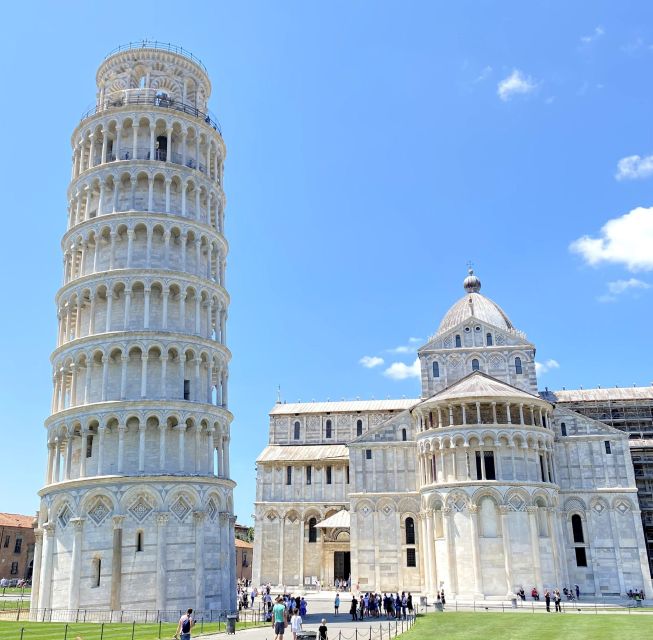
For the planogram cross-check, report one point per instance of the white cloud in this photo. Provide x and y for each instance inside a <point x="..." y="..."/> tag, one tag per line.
<point x="544" y="367"/>
<point x="369" y="362"/>
<point x="595" y="35"/>
<point x="516" y="83"/>
<point x="485" y="74"/>
<point x="627" y="240"/>
<point x="411" y="347"/>
<point x="401" y="371"/>
<point x="617" y="287"/>
<point x="634" y="167"/>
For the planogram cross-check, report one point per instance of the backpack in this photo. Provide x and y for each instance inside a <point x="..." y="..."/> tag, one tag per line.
<point x="185" y="625"/>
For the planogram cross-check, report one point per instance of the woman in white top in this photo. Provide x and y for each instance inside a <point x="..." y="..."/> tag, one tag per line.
<point x="295" y="623"/>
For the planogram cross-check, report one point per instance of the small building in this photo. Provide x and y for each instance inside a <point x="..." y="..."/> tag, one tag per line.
<point x="16" y="546"/>
<point x="244" y="553"/>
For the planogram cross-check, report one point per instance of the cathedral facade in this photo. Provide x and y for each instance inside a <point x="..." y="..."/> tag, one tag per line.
<point x="480" y="487"/>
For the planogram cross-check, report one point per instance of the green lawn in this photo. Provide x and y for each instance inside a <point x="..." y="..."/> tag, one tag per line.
<point x="88" y="631"/>
<point x="538" y="626"/>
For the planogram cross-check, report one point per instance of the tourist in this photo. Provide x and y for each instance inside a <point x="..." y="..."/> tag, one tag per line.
<point x="556" y="601"/>
<point x="185" y="625"/>
<point x="279" y="617"/>
<point x="442" y="598"/>
<point x="409" y="602"/>
<point x="336" y="603"/>
<point x="295" y="623"/>
<point x="303" y="607"/>
<point x="547" y="599"/>
<point x="322" y="630"/>
<point x="535" y="594"/>
<point x="577" y="591"/>
<point x="354" y="608"/>
<point x="404" y="605"/>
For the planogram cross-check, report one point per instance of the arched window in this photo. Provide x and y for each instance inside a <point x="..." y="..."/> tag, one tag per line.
<point x="488" y="339"/>
<point x="563" y="428"/>
<point x="404" y="435"/>
<point x="312" y="530"/>
<point x="297" y="430"/>
<point x="359" y="427"/>
<point x="410" y="531"/>
<point x="458" y="341"/>
<point x="577" y="528"/>
<point x="518" y="369"/>
<point x="436" y="370"/>
<point x="475" y="365"/>
<point x="139" y="541"/>
<point x="328" y="429"/>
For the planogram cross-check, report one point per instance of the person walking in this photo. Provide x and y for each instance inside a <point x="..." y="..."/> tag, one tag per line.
<point x="577" y="591"/>
<point x="295" y="623"/>
<point x="185" y="625"/>
<point x="556" y="601"/>
<point x="279" y="618"/>
<point x="322" y="631"/>
<point x="547" y="599"/>
<point x="336" y="603"/>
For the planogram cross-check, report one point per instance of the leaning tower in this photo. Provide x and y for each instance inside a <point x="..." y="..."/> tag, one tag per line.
<point x="137" y="512"/>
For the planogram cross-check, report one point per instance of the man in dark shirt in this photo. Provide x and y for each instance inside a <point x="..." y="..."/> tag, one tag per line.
<point x="322" y="630"/>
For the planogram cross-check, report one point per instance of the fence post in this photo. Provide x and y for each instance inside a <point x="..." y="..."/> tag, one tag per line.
<point x="22" y="629"/>
<point x="159" y="627"/>
<point x="133" y="628"/>
<point x="65" y="632"/>
<point x="357" y="634"/>
<point x="102" y="631"/>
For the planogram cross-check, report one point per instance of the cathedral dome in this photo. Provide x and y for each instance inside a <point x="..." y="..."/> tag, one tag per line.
<point x="473" y="304"/>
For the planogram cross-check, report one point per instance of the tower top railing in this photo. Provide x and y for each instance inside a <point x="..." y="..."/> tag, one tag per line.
<point x="125" y="97"/>
<point x="161" y="46"/>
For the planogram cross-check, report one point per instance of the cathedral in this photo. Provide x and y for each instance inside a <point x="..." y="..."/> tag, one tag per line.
<point x="480" y="487"/>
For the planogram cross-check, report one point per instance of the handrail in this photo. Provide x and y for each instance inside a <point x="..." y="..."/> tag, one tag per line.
<point x="127" y="97"/>
<point x="162" y="46"/>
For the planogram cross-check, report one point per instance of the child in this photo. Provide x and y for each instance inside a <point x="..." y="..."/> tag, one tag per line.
<point x="322" y="630"/>
<point x="295" y="624"/>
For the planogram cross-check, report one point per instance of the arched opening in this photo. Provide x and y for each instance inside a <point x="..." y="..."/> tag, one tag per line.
<point x="359" y="428"/>
<point x="297" y="430"/>
<point x="328" y="429"/>
<point x="410" y="531"/>
<point x="475" y="364"/>
<point x="312" y="530"/>
<point x="518" y="367"/>
<point x="577" y="528"/>
<point x="488" y="339"/>
<point x="139" y="541"/>
<point x="404" y="435"/>
<point x="458" y="341"/>
<point x="563" y="428"/>
<point x="436" y="370"/>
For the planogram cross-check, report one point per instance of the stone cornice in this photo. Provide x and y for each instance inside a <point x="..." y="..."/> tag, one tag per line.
<point x="93" y="482"/>
<point x="167" y="276"/>
<point x="113" y="407"/>
<point x="142" y="217"/>
<point x="152" y="336"/>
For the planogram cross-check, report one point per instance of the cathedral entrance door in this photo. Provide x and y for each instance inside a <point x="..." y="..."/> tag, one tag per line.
<point x="341" y="565"/>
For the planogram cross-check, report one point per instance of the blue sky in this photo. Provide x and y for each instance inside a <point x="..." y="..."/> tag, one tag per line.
<point x="373" y="149"/>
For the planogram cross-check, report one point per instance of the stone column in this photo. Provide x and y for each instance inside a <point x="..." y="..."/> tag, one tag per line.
<point x="181" y="429"/>
<point x="57" y="460"/>
<point x="282" y="522"/>
<point x="141" y="446"/>
<point x="75" y="564"/>
<point x="448" y="514"/>
<point x="116" y="563"/>
<point x="200" y="599"/>
<point x="46" y="572"/>
<point x="476" y="553"/>
<point x="144" y="375"/>
<point x="162" y="446"/>
<point x="161" y="555"/>
<point x="428" y="552"/>
<point x="121" y="446"/>
<point x="211" y="451"/>
<point x="231" y="587"/>
<point x="301" y="551"/>
<point x="617" y="549"/>
<point x="36" y="573"/>
<point x="535" y="547"/>
<point x="100" y="450"/>
<point x="82" y="452"/>
<point x="223" y="556"/>
<point x="507" y="558"/>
